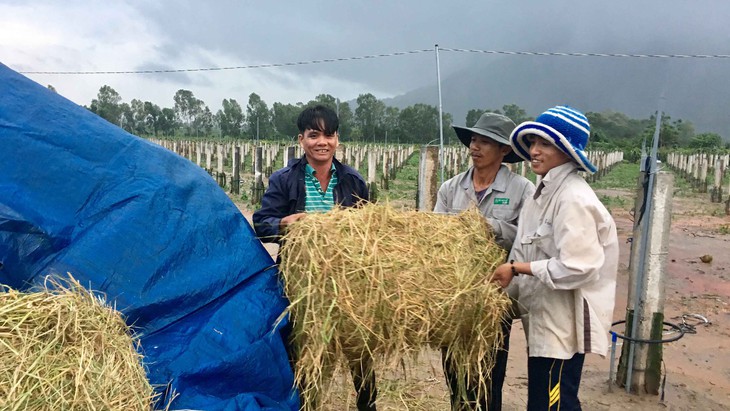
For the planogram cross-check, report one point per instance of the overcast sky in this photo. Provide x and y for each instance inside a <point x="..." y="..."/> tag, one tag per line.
<point x="111" y="35"/>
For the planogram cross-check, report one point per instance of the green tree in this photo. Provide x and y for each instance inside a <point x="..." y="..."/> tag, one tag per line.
<point x="325" y="100"/>
<point x="204" y="122"/>
<point x="138" y="118"/>
<point x="419" y="124"/>
<point x="391" y="124"/>
<point x="284" y="118"/>
<point x="230" y="118"/>
<point x="347" y="121"/>
<point x="616" y="130"/>
<point x="184" y="103"/>
<point x="472" y="116"/>
<point x="107" y="105"/>
<point x="167" y="122"/>
<point x="515" y="113"/>
<point x="706" y="141"/>
<point x="668" y="133"/>
<point x="126" y="117"/>
<point x="449" y="133"/>
<point x="685" y="132"/>
<point x="153" y="117"/>
<point x="188" y="109"/>
<point x="258" y="118"/>
<point x="344" y="113"/>
<point x="369" y="115"/>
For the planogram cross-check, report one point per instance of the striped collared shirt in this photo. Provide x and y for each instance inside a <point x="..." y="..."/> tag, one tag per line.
<point x="316" y="199"/>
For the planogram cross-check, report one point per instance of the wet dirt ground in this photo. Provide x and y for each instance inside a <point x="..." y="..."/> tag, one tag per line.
<point x="697" y="367"/>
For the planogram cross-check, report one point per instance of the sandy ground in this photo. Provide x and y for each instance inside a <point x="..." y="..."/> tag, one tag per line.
<point x="697" y="367"/>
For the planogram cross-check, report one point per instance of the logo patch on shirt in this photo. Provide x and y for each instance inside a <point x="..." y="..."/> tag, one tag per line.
<point x="501" y="201"/>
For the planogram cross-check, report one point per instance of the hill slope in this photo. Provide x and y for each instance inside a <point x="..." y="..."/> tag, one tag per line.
<point x="695" y="90"/>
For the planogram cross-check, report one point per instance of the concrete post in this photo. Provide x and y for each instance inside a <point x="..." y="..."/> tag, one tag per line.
<point x="258" y="186"/>
<point x="208" y="158"/>
<point x="289" y="154"/>
<point x="236" y="179"/>
<point x="385" y="174"/>
<point x="392" y="164"/>
<point x="223" y="151"/>
<point x="696" y="171"/>
<point x="357" y="159"/>
<point x="703" y="173"/>
<point x="456" y="166"/>
<point x="220" y="174"/>
<point x="428" y="178"/>
<point x="716" y="193"/>
<point x="646" y="372"/>
<point x="727" y="202"/>
<point x="254" y="148"/>
<point x="268" y="161"/>
<point x="372" y="172"/>
<point x="340" y="153"/>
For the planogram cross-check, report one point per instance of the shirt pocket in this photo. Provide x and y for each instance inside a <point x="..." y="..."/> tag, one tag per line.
<point x="544" y="240"/>
<point x="506" y="213"/>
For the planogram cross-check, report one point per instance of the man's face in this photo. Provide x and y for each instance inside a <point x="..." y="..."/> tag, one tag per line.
<point x="486" y="152"/>
<point x="318" y="146"/>
<point x="544" y="155"/>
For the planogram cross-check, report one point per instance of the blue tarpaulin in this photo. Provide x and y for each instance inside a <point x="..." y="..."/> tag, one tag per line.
<point x="156" y="235"/>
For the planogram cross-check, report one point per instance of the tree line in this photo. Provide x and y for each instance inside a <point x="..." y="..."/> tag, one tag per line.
<point x="190" y="117"/>
<point x="370" y="121"/>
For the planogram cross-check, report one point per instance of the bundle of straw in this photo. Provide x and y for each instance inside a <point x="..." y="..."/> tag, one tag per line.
<point x="376" y="281"/>
<point x="66" y="350"/>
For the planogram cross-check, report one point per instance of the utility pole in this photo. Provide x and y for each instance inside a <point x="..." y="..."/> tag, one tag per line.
<point x="640" y="364"/>
<point x="441" y="116"/>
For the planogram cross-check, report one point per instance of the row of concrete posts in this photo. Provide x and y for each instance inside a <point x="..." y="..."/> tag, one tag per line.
<point x="226" y="162"/>
<point x="705" y="173"/>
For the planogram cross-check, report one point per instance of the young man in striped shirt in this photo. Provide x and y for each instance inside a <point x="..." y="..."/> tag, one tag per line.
<point x="316" y="182"/>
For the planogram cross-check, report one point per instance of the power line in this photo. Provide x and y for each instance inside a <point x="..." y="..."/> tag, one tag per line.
<point x="400" y="53"/>
<point x="252" y="66"/>
<point x="621" y="55"/>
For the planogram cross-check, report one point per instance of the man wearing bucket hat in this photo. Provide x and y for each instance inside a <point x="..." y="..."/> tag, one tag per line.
<point x="567" y="250"/>
<point x="499" y="194"/>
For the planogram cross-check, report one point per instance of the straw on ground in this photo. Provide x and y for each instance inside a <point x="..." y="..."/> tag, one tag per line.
<point x="66" y="350"/>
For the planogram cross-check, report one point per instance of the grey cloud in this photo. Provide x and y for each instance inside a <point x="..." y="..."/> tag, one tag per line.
<point x="277" y="32"/>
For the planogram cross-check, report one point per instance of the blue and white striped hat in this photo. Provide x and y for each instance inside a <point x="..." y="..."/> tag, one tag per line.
<point x="565" y="127"/>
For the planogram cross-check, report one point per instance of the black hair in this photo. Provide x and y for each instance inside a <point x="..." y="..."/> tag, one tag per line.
<point x="320" y="118"/>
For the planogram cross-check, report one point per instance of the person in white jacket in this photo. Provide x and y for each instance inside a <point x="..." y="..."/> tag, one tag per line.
<point x="563" y="264"/>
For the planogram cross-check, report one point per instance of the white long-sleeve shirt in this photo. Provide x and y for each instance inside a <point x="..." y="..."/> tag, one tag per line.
<point x="570" y="240"/>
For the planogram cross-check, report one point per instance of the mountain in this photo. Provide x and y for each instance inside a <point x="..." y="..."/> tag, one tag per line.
<point x="695" y="90"/>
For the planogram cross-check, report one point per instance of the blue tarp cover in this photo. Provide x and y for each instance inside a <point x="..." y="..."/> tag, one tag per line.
<point x="155" y="234"/>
